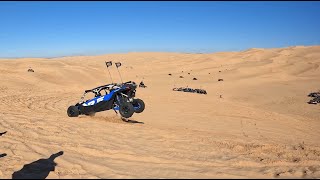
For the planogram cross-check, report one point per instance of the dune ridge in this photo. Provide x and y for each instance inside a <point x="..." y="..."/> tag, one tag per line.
<point x="254" y="124"/>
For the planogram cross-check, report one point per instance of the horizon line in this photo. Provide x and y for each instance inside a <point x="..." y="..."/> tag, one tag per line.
<point x="211" y="52"/>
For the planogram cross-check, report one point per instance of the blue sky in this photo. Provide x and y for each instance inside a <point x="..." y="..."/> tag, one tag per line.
<point x="50" y="29"/>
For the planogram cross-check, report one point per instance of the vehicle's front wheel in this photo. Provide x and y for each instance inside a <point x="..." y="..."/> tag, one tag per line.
<point x="126" y="109"/>
<point x="138" y="105"/>
<point x="73" y="111"/>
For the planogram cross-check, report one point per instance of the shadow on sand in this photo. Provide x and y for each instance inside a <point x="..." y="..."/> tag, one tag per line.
<point x="39" y="169"/>
<point x="4" y="154"/>
<point x="131" y="121"/>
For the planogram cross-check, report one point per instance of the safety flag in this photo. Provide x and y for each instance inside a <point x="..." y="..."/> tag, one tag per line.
<point x="118" y="64"/>
<point x="109" y="63"/>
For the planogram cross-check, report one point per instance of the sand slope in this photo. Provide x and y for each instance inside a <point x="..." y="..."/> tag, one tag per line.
<point x="261" y="127"/>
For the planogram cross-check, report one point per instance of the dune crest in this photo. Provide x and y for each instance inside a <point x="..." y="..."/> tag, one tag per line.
<point x="253" y="124"/>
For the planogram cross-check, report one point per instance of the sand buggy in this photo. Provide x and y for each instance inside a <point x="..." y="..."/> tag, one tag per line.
<point x="119" y="97"/>
<point x="142" y="85"/>
<point x="199" y="91"/>
<point x="316" y="98"/>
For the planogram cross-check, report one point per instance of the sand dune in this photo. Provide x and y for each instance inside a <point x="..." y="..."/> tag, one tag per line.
<point x="262" y="126"/>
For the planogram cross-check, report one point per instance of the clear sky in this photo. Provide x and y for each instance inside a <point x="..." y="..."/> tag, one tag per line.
<point x="50" y="29"/>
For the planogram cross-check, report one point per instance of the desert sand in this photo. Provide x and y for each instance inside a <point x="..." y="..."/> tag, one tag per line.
<point x="262" y="127"/>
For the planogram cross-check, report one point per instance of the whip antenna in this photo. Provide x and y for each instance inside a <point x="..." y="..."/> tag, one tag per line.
<point x="118" y="64"/>
<point x="109" y="63"/>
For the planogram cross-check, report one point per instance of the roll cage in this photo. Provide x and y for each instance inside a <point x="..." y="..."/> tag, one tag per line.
<point x="107" y="87"/>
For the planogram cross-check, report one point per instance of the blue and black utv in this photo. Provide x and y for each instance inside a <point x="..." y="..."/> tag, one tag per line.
<point x="119" y="98"/>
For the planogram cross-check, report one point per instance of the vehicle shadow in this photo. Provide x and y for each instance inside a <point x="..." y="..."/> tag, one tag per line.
<point x="131" y="121"/>
<point x="39" y="169"/>
<point x="3" y="155"/>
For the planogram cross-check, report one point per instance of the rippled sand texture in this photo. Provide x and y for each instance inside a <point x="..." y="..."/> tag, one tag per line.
<point x="262" y="126"/>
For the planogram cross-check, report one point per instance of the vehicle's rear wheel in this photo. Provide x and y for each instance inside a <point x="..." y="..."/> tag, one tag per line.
<point x="138" y="105"/>
<point x="126" y="109"/>
<point x="73" y="111"/>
